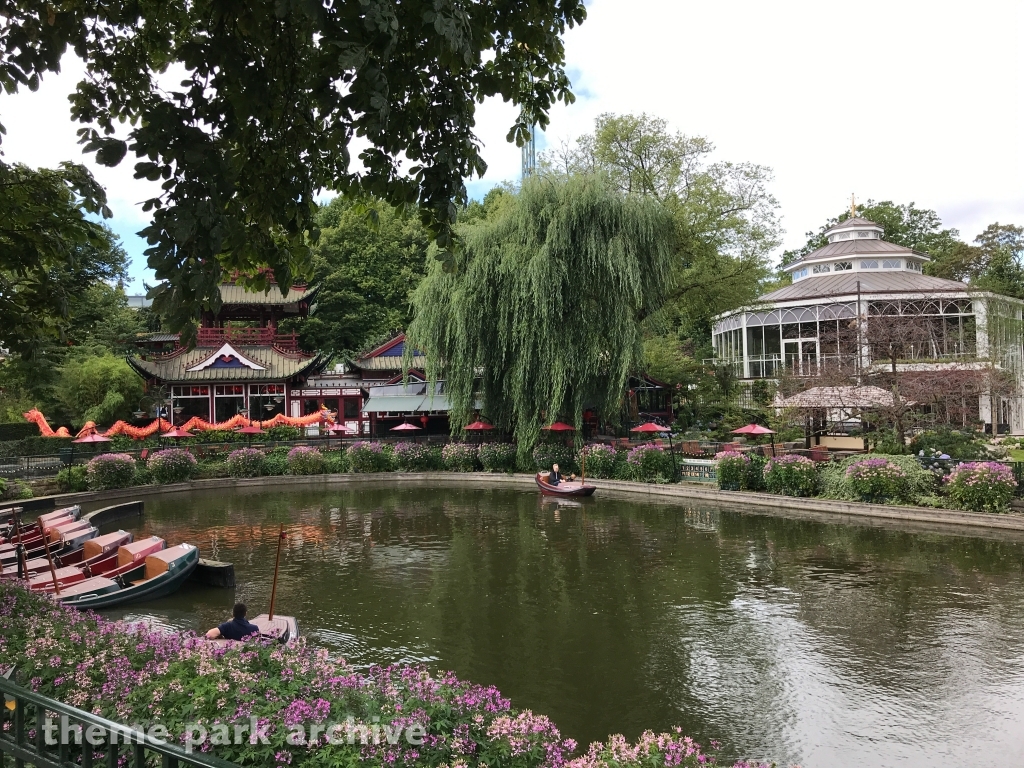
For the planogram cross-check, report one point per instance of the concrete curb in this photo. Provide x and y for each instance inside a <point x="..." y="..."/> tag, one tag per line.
<point x="822" y="509"/>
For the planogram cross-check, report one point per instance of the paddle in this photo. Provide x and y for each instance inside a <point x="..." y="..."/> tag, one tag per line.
<point x="53" y="571"/>
<point x="277" y="563"/>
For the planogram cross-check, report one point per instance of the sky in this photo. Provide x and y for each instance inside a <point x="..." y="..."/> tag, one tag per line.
<point x="900" y="100"/>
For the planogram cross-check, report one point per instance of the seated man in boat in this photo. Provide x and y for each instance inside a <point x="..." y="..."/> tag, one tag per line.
<point x="236" y="629"/>
<point x="554" y="476"/>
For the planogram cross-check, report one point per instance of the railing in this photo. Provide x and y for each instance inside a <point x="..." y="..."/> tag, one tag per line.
<point x="33" y="466"/>
<point x="211" y="337"/>
<point x="95" y="740"/>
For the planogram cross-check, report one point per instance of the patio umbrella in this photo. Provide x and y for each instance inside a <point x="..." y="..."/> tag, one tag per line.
<point x="478" y="426"/>
<point x="560" y="426"/>
<point x="756" y="429"/>
<point x="651" y="427"/>
<point x="249" y="432"/>
<point x="176" y="433"/>
<point x="95" y="437"/>
<point x="406" y="427"/>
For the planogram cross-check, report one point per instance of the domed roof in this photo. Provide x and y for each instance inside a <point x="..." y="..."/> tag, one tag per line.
<point x="865" y="283"/>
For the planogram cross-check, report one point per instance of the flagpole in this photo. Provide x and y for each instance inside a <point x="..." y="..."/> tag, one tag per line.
<point x="277" y="563"/>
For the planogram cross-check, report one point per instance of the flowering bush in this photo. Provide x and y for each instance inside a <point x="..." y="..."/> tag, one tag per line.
<point x="110" y="470"/>
<point x="546" y="454"/>
<point x="791" y="475"/>
<point x="648" y="462"/>
<point x="366" y="456"/>
<point x="651" y="750"/>
<point x="600" y="460"/>
<point x="174" y="465"/>
<point x="498" y="457"/>
<point x="416" y="457"/>
<point x="731" y="469"/>
<point x="982" y="486"/>
<point x="247" y="462"/>
<point x="460" y="457"/>
<point x="878" y="480"/>
<point x="304" y="460"/>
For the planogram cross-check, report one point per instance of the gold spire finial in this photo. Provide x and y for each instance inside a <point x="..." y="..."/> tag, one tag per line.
<point x="853" y="207"/>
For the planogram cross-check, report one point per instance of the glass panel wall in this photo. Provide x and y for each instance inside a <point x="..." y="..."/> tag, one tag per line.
<point x="187" y="402"/>
<point x="228" y="401"/>
<point x="265" y="401"/>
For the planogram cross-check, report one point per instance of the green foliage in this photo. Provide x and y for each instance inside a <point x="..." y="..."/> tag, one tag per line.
<point x="753" y="479"/>
<point x="366" y="268"/>
<point x="335" y="462"/>
<point x="834" y="483"/>
<point x="212" y="468"/>
<point x="367" y="456"/>
<point x="172" y="465"/>
<point x="110" y="470"/>
<point x="546" y="454"/>
<point x="14" y="490"/>
<point x="731" y="470"/>
<point x="962" y="445"/>
<point x="276" y="462"/>
<point x="498" y="457"/>
<point x="878" y="480"/>
<point x="601" y="460"/>
<point x="791" y="475"/>
<point x="270" y="102"/>
<point x="665" y="359"/>
<point x="102" y="389"/>
<point x="649" y="463"/>
<point x="73" y="479"/>
<point x="417" y="457"/>
<point x="281" y="434"/>
<point x="18" y="430"/>
<point x="304" y="460"/>
<point x="247" y="462"/>
<point x="460" y="457"/>
<point x="547" y="306"/>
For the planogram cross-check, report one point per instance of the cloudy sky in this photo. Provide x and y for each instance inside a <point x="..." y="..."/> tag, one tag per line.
<point x="903" y="100"/>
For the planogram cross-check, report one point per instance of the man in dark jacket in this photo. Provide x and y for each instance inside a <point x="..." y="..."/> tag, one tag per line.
<point x="554" y="476"/>
<point x="236" y="629"/>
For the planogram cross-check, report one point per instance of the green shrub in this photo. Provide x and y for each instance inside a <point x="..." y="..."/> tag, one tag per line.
<point x="961" y="445"/>
<point x="335" y="462"/>
<point x="212" y="468"/>
<point x="72" y="479"/>
<point x="649" y="463"/>
<point x="546" y="454"/>
<point x="367" y="456"/>
<point x="17" y="430"/>
<point x="878" y="480"/>
<point x="753" y="478"/>
<point x="14" y="490"/>
<point x="110" y="470"/>
<point x="600" y="460"/>
<point x="416" y="457"/>
<point x="246" y="462"/>
<point x="282" y="434"/>
<point x="460" y="457"/>
<point x="498" y="457"/>
<point x="981" y="486"/>
<point x="731" y="470"/>
<point x="791" y="475"/>
<point x="276" y="462"/>
<point x="142" y="474"/>
<point x="833" y="482"/>
<point x="304" y="460"/>
<point x="173" y="465"/>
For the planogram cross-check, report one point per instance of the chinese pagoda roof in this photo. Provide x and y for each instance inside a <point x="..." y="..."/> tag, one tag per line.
<point x="388" y="356"/>
<point x="227" y="363"/>
<point x="233" y="294"/>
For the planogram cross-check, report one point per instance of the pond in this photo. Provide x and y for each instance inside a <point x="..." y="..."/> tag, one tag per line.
<point x="793" y="640"/>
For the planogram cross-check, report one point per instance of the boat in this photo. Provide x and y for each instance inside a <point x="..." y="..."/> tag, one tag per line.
<point x="61" y="539"/>
<point x="565" y="488"/>
<point x="95" y="557"/>
<point x="284" y="629"/>
<point x="11" y="532"/>
<point x="160" y="574"/>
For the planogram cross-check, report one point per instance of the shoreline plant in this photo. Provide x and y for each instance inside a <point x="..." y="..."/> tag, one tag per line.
<point x="731" y="470"/>
<point x="878" y="480"/>
<point x="601" y="460"/>
<point x="416" y="457"/>
<point x="647" y="462"/>
<point x="110" y="470"/>
<point x="305" y="460"/>
<point x="460" y="457"/>
<point x="981" y="486"/>
<point x="368" y="456"/>
<point x="247" y="462"/>
<point x="791" y="475"/>
<point x="172" y="465"/>
<point x="498" y="457"/>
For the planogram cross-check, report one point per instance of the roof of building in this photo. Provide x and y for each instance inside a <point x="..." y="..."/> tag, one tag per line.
<point x="845" y="284"/>
<point x="859" y="247"/>
<point x="839" y="397"/>
<point x="231" y="293"/>
<point x="252" y="363"/>
<point x="388" y="356"/>
<point x="855" y="222"/>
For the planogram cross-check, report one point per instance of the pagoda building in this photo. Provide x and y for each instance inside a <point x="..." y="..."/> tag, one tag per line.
<point x="240" y="364"/>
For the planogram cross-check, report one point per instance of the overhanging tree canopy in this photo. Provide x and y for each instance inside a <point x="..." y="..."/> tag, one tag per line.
<point x="273" y="94"/>
<point x="548" y="307"/>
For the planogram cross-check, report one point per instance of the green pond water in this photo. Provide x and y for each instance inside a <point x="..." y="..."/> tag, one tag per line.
<point x="787" y="639"/>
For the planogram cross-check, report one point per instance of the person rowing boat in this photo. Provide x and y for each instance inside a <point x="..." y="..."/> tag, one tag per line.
<point x="237" y="629"/>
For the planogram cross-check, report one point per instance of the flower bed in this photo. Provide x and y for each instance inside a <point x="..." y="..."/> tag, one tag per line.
<point x="199" y="692"/>
<point x="110" y="470"/>
<point x="247" y="462"/>
<point x="731" y="469"/>
<point x="648" y="462"/>
<point x="498" y="457"/>
<point x="174" y="465"/>
<point x="305" y="460"/>
<point x="878" y="480"/>
<point x="600" y="460"/>
<point x="460" y="457"/>
<point x="981" y="486"/>
<point x="416" y="457"/>
<point x="791" y="475"/>
<point x="366" y="456"/>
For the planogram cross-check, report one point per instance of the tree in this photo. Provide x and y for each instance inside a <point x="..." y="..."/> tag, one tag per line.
<point x="998" y="260"/>
<point x="726" y="218"/>
<point x="369" y="259"/>
<point x="273" y="95"/>
<point x="99" y="388"/>
<point x="50" y="251"/>
<point x="547" y="309"/>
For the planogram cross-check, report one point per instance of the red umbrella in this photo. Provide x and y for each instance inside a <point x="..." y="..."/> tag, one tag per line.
<point x="477" y="426"/>
<point x="560" y="426"/>
<point x="650" y="426"/>
<point x="252" y="429"/>
<point x="406" y="427"/>
<point x="95" y="437"/>
<point x="177" y="432"/>
<point x="337" y="428"/>
<point x="753" y="429"/>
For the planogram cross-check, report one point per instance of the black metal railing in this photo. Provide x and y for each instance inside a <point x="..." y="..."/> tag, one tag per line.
<point x="96" y="740"/>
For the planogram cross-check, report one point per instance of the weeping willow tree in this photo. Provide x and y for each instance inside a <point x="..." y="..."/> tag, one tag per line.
<point x="545" y="312"/>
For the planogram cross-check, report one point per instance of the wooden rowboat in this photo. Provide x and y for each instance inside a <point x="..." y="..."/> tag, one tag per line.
<point x="564" y="488"/>
<point x="161" y="574"/>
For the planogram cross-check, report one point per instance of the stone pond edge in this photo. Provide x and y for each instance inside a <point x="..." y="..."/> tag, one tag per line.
<point x="828" y="509"/>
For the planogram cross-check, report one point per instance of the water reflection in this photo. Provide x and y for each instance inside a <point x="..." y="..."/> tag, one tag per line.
<point x="788" y="639"/>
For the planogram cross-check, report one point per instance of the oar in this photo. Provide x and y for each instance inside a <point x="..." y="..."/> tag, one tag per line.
<point x="583" y="465"/>
<point x="53" y="571"/>
<point x="277" y="563"/>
